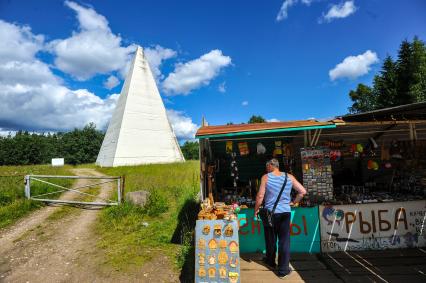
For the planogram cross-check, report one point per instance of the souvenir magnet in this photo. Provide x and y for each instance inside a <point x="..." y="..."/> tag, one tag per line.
<point x="233" y="247"/>
<point x="229" y="231"/>
<point x="223" y="244"/>
<point x="206" y="229"/>
<point x="233" y="262"/>
<point x="212" y="244"/>
<point x="222" y="258"/>
<point x="202" y="244"/>
<point x="233" y="277"/>
<point x="222" y="272"/>
<point x="212" y="272"/>
<point x="202" y="272"/>
<point x="212" y="259"/>
<point x="201" y="258"/>
<point x="218" y="230"/>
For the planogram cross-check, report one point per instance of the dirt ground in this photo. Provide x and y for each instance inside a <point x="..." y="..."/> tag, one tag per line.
<point x="49" y="246"/>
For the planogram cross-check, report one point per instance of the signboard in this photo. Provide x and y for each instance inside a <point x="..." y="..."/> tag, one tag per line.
<point x="305" y="235"/>
<point x="217" y="254"/>
<point x="375" y="226"/>
<point x="58" y="162"/>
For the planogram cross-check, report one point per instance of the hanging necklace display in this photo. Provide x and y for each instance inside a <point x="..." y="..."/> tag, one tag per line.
<point x="234" y="169"/>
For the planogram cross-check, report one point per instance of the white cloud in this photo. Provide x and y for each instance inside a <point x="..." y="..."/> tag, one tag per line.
<point x="353" y="67"/>
<point x="182" y="125"/>
<point x="272" y="120"/>
<point x="244" y="103"/>
<point x="339" y="11"/>
<point x="195" y="73"/>
<point x="222" y="87"/>
<point x="91" y="50"/>
<point x="111" y="82"/>
<point x="32" y="97"/>
<point x="283" y="12"/>
<point x="156" y="56"/>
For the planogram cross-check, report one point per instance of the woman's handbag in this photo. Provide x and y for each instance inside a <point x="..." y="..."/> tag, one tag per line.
<point x="267" y="216"/>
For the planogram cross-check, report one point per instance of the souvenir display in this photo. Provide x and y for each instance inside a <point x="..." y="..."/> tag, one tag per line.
<point x="260" y="148"/>
<point x="317" y="173"/>
<point x="278" y="148"/>
<point x="221" y="257"/>
<point x="229" y="147"/>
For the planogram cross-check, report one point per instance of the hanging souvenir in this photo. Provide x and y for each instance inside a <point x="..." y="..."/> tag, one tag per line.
<point x="222" y="258"/>
<point x="229" y="147"/>
<point x="372" y="165"/>
<point x="223" y="244"/>
<point x="243" y="148"/>
<point x="261" y="149"/>
<point x="233" y="262"/>
<point x="395" y="150"/>
<point x="212" y="244"/>
<point x="202" y="272"/>
<point x="229" y="231"/>
<point x="233" y="277"/>
<point x="287" y="150"/>
<point x="278" y="148"/>
<point x="222" y="272"/>
<point x="212" y="259"/>
<point x="217" y="230"/>
<point x="212" y="272"/>
<point x="335" y="155"/>
<point x="202" y="244"/>
<point x="201" y="258"/>
<point x="206" y="229"/>
<point x="234" y="169"/>
<point x="233" y="247"/>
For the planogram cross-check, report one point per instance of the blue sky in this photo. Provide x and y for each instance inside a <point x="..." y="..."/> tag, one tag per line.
<point x="268" y="64"/>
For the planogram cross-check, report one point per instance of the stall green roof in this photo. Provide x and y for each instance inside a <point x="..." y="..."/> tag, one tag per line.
<point x="263" y="128"/>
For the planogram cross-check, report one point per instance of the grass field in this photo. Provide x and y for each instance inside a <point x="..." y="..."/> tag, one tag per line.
<point x="131" y="235"/>
<point x="13" y="204"/>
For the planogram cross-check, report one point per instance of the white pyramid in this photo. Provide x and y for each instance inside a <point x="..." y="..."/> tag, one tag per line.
<point x="139" y="131"/>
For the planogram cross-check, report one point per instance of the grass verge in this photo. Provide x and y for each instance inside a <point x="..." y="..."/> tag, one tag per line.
<point x="131" y="235"/>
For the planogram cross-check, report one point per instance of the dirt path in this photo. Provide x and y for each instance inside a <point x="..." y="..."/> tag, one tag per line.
<point x="45" y="248"/>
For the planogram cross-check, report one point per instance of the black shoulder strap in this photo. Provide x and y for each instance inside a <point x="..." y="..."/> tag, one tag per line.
<point x="279" y="195"/>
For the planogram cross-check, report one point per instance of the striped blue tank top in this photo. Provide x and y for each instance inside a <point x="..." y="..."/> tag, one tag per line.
<point x="273" y="187"/>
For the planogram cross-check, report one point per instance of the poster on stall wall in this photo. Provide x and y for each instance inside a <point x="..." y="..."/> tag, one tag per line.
<point x="375" y="226"/>
<point x="304" y="231"/>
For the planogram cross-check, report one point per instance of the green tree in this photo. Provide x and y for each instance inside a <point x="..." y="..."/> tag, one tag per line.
<point x="256" y="119"/>
<point x="190" y="150"/>
<point x="363" y="99"/>
<point x="386" y="84"/>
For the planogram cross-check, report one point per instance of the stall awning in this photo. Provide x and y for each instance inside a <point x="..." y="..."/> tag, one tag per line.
<point x="262" y="128"/>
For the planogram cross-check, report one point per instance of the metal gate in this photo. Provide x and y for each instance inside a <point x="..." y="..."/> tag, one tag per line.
<point x="77" y="190"/>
